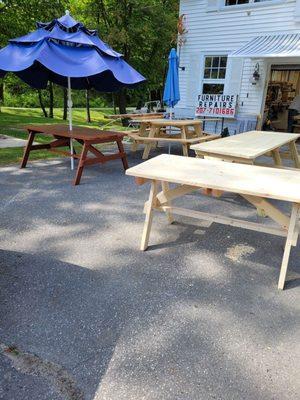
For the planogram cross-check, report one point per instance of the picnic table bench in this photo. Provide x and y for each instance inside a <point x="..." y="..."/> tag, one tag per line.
<point x="86" y="137"/>
<point x="190" y="132"/>
<point x="256" y="184"/>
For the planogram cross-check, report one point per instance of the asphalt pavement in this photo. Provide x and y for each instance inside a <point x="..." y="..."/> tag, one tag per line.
<point x="84" y="314"/>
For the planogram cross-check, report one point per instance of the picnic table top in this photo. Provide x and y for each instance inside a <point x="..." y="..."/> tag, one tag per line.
<point x="172" y="122"/>
<point x="248" y="145"/>
<point x="78" y="132"/>
<point x="254" y="180"/>
<point x="135" y="115"/>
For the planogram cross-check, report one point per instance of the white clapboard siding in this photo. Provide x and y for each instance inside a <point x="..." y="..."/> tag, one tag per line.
<point x="192" y="69"/>
<point x="212" y="29"/>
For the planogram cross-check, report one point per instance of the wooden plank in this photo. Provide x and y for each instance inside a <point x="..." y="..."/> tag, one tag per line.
<point x="165" y="138"/>
<point x="248" y="145"/>
<point x="64" y="153"/>
<point x="81" y="165"/>
<point x="172" y="194"/>
<point x="253" y="180"/>
<point x="276" y="157"/>
<point x="152" y="134"/>
<point x="165" y="189"/>
<point x="77" y="132"/>
<point x="224" y="220"/>
<point x="294" y="154"/>
<point x="140" y="181"/>
<point x="149" y="216"/>
<point x="269" y="210"/>
<point x="27" y="149"/>
<point x="162" y="122"/>
<point x="289" y="243"/>
<point x="134" y="115"/>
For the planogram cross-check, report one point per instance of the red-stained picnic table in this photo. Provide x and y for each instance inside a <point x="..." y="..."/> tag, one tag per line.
<point x="87" y="137"/>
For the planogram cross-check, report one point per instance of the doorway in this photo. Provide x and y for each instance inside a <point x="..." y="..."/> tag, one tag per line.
<point x="282" y="91"/>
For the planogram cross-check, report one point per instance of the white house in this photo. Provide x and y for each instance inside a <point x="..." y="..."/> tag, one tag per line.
<point x="227" y="41"/>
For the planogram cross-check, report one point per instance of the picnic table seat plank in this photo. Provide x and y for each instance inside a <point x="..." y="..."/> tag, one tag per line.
<point x="254" y="183"/>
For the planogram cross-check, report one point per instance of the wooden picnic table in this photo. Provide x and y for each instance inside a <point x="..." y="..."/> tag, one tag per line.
<point x="135" y="115"/>
<point x="190" y="132"/>
<point x="247" y="147"/>
<point x="254" y="183"/>
<point x="86" y="137"/>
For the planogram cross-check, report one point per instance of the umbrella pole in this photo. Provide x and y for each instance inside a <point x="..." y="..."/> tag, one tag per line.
<point x="170" y="129"/>
<point x="70" y="105"/>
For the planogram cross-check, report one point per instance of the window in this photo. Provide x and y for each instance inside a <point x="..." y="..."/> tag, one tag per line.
<point x="236" y="2"/>
<point x="214" y="74"/>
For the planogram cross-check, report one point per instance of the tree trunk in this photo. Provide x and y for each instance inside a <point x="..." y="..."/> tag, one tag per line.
<point x="114" y="102"/>
<point x="1" y="93"/>
<point x="87" y="102"/>
<point x="122" y="101"/>
<point x="50" y="100"/>
<point x="65" y="113"/>
<point x="122" y="105"/>
<point x="42" y="104"/>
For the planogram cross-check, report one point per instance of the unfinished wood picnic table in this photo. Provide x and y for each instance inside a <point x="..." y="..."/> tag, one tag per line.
<point x="135" y="115"/>
<point x="254" y="183"/>
<point x="247" y="147"/>
<point x="86" y="137"/>
<point x="190" y="132"/>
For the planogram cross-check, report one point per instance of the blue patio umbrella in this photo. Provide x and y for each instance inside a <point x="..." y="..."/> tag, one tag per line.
<point x="171" y="93"/>
<point x="65" y="52"/>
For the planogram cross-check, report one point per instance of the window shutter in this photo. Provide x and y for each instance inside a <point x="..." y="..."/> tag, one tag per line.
<point x="233" y="78"/>
<point x="214" y="5"/>
<point x="193" y="79"/>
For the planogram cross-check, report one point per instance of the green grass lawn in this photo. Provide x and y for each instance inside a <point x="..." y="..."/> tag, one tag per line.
<point x="13" y="120"/>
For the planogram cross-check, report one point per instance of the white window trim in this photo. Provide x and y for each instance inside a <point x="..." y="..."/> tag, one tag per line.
<point x="252" y="3"/>
<point x="203" y="81"/>
<point x="249" y="6"/>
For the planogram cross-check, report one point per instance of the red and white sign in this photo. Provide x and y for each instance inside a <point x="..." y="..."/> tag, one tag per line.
<point x="216" y="105"/>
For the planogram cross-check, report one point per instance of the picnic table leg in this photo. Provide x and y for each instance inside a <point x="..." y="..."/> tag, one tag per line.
<point x="123" y="154"/>
<point x="276" y="157"/>
<point x="185" y="149"/>
<point x="134" y="146"/>
<point x="142" y="131"/>
<point x="148" y="145"/>
<point x="27" y="149"/>
<point x="198" y="130"/>
<point x="165" y="188"/>
<point x="294" y="154"/>
<point x="149" y="216"/>
<point x="81" y="164"/>
<point x="289" y="243"/>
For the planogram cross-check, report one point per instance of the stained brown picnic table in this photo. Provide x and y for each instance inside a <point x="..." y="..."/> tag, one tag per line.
<point x="87" y="137"/>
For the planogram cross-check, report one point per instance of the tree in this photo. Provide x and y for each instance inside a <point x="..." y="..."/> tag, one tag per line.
<point x="51" y="100"/>
<point x="42" y="104"/>
<point x="18" y="17"/>
<point x="87" y="105"/>
<point x="65" y="96"/>
<point x="142" y="31"/>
